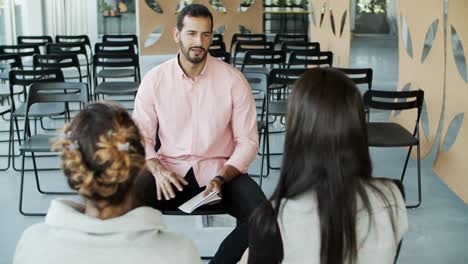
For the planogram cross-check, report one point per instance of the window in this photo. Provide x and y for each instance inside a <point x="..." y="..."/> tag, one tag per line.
<point x="116" y="17"/>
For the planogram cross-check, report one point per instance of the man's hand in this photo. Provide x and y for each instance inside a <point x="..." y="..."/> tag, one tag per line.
<point x="214" y="185"/>
<point x="165" y="179"/>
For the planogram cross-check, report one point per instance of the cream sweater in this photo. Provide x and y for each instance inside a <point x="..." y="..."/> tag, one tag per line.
<point x="300" y="228"/>
<point x="69" y="236"/>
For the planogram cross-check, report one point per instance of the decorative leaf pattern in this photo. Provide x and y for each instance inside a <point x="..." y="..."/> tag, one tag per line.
<point x="161" y="15"/>
<point x="420" y="66"/>
<point x="452" y="131"/>
<point x="430" y="36"/>
<point x="458" y="54"/>
<point x="343" y="22"/>
<point x="406" y="37"/>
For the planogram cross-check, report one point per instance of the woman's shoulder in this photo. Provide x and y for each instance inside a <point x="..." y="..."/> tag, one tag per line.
<point x="384" y="193"/>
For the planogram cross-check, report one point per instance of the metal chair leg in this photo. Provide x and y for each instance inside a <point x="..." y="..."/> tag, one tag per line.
<point x="21" y="194"/>
<point x="418" y="162"/>
<point x="37" y="179"/>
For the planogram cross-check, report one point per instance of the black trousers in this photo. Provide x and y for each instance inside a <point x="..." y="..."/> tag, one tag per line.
<point x="240" y="198"/>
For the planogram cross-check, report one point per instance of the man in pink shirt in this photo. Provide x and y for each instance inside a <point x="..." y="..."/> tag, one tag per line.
<point x="204" y="115"/>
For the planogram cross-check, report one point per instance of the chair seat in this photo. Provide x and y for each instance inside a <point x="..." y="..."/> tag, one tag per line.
<point x="277" y="107"/>
<point x="117" y="88"/>
<point x="41" y="110"/>
<point x="37" y="143"/>
<point x="4" y="76"/>
<point x="5" y="90"/>
<point x="116" y="73"/>
<point x="389" y="135"/>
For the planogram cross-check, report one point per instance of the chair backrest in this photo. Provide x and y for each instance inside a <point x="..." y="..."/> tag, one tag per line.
<point x="28" y="77"/>
<point x="293" y="46"/>
<point x="57" y="61"/>
<point x="243" y="46"/>
<point x="55" y="92"/>
<point x="217" y="45"/>
<point x="218" y="37"/>
<point x="72" y="48"/>
<point x="240" y="37"/>
<point x="222" y="55"/>
<point x="359" y="75"/>
<point x="114" y="48"/>
<point x="83" y="39"/>
<point x="308" y="58"/>
<point x="10" y="61"/>
<point x="40" y="41"/>
<point x="127" y="38"/>
<point x="113" y="60"/>
<point x="23" y="50"/>
<point x="284" y="38"/>
<point x="284" y="76"/>
<point x="395" y="100"/>
<point x="264" y="58"/>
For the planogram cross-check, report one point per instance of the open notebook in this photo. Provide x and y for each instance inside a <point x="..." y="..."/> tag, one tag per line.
<point x="198" y="200"/>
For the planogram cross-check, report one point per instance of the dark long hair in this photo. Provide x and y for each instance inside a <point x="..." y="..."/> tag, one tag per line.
<point x="326" y="151"/>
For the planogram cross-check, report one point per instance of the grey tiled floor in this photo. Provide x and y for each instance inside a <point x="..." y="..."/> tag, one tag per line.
<point x="438" y="229"/>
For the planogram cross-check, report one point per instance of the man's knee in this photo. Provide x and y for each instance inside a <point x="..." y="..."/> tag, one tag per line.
<point x="246" y="191"/>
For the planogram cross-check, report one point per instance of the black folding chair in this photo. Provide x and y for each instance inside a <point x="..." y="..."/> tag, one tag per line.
<point x="360" y="76"/>
<point x="40" y="41"/>
<point x="265" y="60"/>
<point x="59" y="61"/>
<point x="46" y="93"/>
<point x="25" y="51"/>
<point x="284" y="38"/>
<point x="123" y="39"/>
<point x="217" y="46"/>
<point x="242" y="37"/>
<point x="116" y="48"/>
<point x="24" y="79"/>
<point x="78" y="48"/>
<point x="293" y="46"/>
<point x="258" y="83"/>
<point x="218" y="37"/>
<point x="115" y="62"/>
<point x="390" y="134"/>
<point x="8" y="62"/>
<point x="242" y="46"/>
<point x="310" y="58"/>
<point x="222" y="55"/>
<point x="282" y="79"/>
<point x="78" y="39"/>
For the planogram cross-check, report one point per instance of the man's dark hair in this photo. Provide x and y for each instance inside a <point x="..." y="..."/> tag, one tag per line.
<point x="193" y="10"/>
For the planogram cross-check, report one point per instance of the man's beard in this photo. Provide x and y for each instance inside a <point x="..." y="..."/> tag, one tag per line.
<point x="186" y="53"/>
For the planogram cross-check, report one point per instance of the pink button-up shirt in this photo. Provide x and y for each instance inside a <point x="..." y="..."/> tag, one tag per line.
<point x="203" y="123"/>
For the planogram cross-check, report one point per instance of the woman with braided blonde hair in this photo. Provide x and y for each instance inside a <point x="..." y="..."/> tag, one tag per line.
<point x="102" y="155"/>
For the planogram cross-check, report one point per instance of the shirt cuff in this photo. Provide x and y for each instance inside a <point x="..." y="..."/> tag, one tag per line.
<point x="237" y="164"/>
<point x="150" y="153"/>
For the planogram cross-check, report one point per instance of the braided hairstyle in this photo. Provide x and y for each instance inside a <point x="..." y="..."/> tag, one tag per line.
<point x="102" y="153"/>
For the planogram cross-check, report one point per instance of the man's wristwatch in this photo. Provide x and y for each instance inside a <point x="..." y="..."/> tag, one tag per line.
<point x="220" y="179"/>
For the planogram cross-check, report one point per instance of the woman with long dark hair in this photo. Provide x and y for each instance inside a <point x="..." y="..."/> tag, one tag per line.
<point x="327" y="208"/>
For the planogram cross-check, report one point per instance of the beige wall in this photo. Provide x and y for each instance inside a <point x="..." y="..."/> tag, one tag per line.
<point x="452" y="165"/>
<point x="338" y="41"/>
